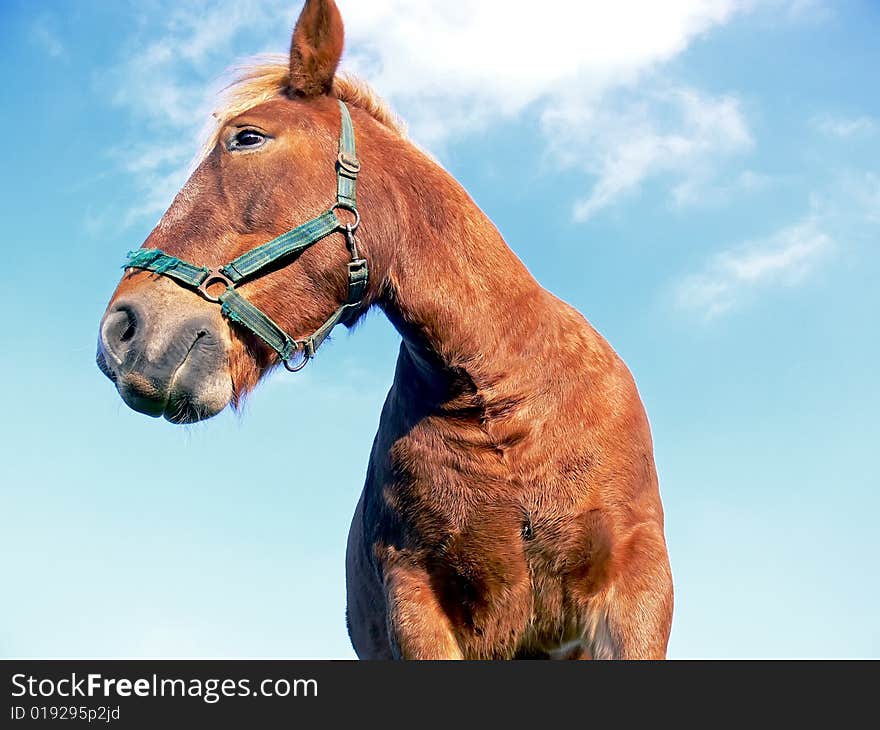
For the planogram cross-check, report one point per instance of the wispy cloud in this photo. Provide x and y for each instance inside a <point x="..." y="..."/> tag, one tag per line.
<point x="705" y="189"/>
<point x="45" y="35"/>
<point x="452" y="69"/>
<point x="731" y="277"/>
<point x="806" y="10"/>
<point x="852" y="202"/>
<point x="680" y="131"/>
<point x="482" y="59"/>
<point x="168" y="81"/>
<point x="845" y="127"/>
<point x="867" y="194"/>
<point x="844" y="217"/>
<point x="588" y="69"/>
<point x="593" y="73"/>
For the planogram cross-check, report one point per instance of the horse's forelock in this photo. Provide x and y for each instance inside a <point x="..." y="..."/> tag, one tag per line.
<point x="267" y="77"/>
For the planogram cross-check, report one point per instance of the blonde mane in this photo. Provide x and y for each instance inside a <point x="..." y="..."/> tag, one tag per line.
<point x="265" y="77"/>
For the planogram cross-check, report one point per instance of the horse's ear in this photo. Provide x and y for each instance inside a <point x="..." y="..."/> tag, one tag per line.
<point x="316" y="48"/>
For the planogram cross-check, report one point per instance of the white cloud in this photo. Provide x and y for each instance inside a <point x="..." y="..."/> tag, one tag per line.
<point x="785" y="258"/>
<point x="169" y="81"/>
<point x="624" y="141"/>
<point x="844" y="217"/>
<point x="585" y="66"/>
<point x="592" y="72"/>
<point x="171" y="74"/>
<point x="845" y="127"/>
<point x="493" y="56"/>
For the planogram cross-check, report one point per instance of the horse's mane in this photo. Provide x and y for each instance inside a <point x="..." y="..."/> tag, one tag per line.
<point x="265" y="77"/>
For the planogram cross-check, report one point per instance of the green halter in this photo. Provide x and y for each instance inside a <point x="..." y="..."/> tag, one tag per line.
<point x="238" y="309"/>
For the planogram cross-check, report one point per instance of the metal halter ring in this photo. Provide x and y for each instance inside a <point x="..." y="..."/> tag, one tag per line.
<point x="214" y="276"/>
<point x="352" y="227"/>
<point x="296" y="368"/>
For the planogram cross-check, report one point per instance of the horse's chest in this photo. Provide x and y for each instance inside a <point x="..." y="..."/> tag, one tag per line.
<point x="498" y="558"/>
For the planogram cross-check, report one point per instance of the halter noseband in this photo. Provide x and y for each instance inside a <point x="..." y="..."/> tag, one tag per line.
<point x="238" y="309"/>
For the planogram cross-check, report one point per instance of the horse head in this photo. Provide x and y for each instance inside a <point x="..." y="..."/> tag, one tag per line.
<point x="271" y="164"/>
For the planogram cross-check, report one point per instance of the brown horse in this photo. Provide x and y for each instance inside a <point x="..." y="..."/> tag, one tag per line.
<point x="511" y="506"/>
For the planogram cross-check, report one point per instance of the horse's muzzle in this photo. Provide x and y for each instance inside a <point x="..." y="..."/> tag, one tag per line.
<point x="165" y="363"/>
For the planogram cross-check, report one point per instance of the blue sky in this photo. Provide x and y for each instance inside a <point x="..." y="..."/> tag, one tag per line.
<point x="702" y="181"/>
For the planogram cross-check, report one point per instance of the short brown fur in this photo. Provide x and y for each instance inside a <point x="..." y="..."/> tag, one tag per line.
<point x="511" y="504"/>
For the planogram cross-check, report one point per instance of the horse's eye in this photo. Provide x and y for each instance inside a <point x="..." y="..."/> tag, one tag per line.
<point x="247" y="139"/>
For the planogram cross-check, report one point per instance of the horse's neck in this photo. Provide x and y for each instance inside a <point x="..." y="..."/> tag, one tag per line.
<point x="467" y="308"/>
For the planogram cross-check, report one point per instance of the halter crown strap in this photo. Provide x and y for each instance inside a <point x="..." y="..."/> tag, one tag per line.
<point x="237" y="308"/>
<point x="347" y="165"/>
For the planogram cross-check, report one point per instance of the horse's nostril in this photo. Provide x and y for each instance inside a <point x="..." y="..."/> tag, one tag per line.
<point x="128" y="334"/>
<point x="119" y="329"/>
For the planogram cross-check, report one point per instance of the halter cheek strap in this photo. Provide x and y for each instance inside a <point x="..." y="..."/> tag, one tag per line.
<point x="254" y="262"/>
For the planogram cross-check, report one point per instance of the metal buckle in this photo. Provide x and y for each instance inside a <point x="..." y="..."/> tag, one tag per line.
<point x="214" y="276"/>
<point x="348" y="164"/>
<point x="356" y="269"/>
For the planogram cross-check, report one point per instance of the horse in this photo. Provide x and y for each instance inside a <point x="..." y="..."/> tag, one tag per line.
<point x="511" y="506"/>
